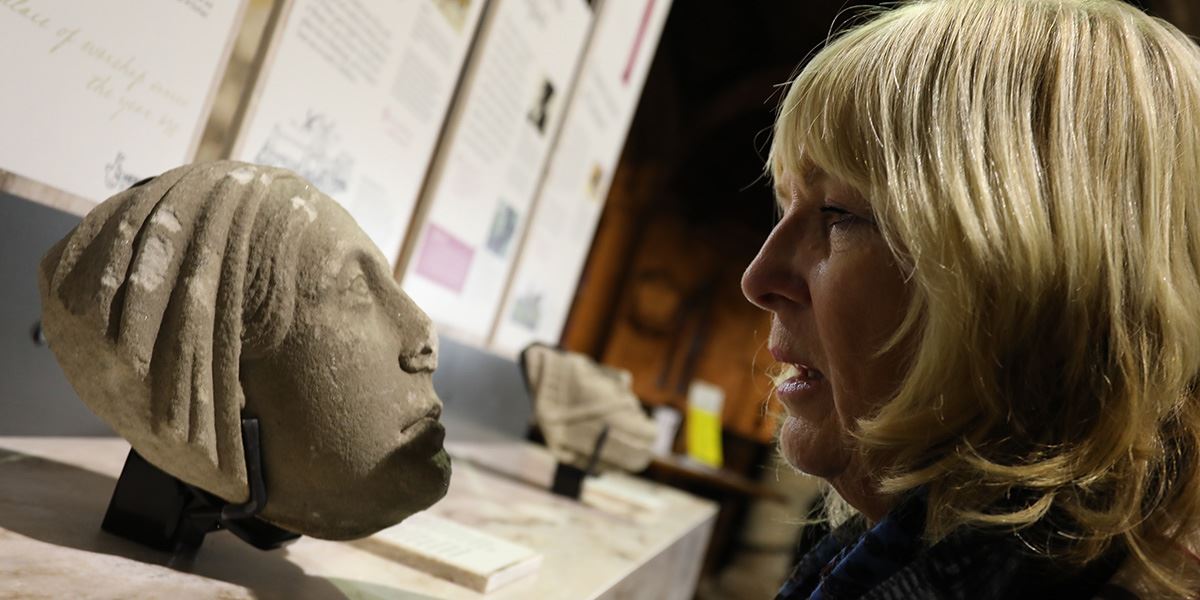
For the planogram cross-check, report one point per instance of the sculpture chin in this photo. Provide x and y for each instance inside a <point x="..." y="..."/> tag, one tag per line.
<point x="414" y="478"/>
<point x="420" y="481"/>
<point x="422" y="468"/>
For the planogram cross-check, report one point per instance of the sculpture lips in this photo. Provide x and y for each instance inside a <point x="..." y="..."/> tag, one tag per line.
<point x="424" y="436"/>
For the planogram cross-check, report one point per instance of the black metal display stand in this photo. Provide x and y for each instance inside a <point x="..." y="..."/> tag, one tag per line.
<point x="158" y="510"/>
<point x="568" y="479"/>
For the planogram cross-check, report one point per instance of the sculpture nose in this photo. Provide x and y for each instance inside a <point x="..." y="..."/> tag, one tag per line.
<point x="424" y="360"/>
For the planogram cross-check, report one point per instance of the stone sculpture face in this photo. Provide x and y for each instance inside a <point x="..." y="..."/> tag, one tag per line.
<point x="220" y="291"/>
<point x="354" y="373"/>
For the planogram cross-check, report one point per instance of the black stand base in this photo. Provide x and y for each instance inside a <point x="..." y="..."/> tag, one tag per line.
<point x="155" y="509"/>
<point x="568" y="479"/>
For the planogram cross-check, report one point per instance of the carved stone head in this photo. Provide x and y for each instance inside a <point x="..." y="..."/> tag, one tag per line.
<point x="574" y="399"/>
<point x="221" y="290"/>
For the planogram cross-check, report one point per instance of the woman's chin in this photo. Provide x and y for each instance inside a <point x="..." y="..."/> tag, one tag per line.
<point x="810" y="450"/>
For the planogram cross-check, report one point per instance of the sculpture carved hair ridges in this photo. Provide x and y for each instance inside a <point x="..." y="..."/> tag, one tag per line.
<point x="147" y="281"/>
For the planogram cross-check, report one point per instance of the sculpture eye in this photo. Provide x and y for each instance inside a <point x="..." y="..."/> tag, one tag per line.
<point x="359" y="286"/>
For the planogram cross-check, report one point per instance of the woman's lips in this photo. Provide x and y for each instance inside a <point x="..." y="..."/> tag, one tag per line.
<point x="802" y="384"/>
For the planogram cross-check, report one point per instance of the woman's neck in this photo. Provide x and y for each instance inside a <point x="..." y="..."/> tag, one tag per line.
<point x="863" y="494"/>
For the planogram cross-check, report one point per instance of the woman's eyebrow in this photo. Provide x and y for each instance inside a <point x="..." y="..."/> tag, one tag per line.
<point x="809" y="176"/>
<point x="802" y="181"/>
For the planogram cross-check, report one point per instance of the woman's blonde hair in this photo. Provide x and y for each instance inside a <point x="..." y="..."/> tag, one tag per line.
<point x="1035" y="167"/>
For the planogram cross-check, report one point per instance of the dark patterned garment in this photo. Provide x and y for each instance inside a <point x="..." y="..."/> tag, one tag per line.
<point x="890" y="562"/>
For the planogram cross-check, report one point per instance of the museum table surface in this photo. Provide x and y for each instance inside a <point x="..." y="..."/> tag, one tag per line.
<point x="54" y="491"/>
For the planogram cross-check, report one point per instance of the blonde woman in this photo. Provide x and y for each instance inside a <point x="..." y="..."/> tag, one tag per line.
<point x="985" y="287"/>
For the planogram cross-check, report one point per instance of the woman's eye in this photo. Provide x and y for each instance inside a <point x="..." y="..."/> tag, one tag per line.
<point x="835" y="216"/>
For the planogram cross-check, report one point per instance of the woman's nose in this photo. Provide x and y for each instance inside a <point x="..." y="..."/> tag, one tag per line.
<point x="776" y="278"/>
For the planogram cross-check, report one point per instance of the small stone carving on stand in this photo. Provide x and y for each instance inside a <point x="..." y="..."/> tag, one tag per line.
<point x="220" y="292"/>
<point x="588" y="415"/>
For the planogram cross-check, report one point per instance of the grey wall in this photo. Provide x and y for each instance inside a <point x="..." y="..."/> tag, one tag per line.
<point x="482" y="388"/>
<point x="35" y="398"/>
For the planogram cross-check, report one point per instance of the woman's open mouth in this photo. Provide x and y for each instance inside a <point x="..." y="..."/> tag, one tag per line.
<point x="798" y="384"/>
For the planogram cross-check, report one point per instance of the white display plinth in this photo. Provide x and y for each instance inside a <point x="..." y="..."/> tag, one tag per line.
<point x="55" y="491"/>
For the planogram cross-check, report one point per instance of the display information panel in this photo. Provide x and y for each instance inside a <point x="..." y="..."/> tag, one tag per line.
<point x="353" y="95"/>
<point x="580" y="172"/>
<point x="99" y="95"/>
<point x="487" y="174"/>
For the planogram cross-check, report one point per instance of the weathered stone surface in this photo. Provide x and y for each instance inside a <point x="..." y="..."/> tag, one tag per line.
<point x="575" y="398"/>
<point x="222" y="290"/>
